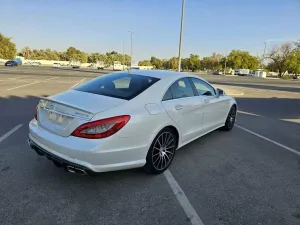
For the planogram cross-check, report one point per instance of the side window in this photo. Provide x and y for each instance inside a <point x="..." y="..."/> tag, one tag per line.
<point x="181" y="89"/>
<point x="167" y="96"/>
<point x="203" y="88"/>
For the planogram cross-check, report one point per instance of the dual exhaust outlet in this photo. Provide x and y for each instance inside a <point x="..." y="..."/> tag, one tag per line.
<point x="58" y="163"/>
<point x="73" y="169"/>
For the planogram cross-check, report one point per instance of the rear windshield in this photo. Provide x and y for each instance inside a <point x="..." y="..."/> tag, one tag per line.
<point x="118" y="85"/>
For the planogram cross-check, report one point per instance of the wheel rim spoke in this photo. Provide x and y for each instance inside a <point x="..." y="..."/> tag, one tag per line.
<point x="159" y="161"/>
<point x="156" y="160"/>
<point x="156" y="148"/>
<point x="170" y="142"/>
<point x="168" y="138"/>
<point x="163" y="150"/>
<point x="155" y="155"/>
<point x="169" y="152"/>
<point x="167" y="156"/>
<point x="159" y="142"/>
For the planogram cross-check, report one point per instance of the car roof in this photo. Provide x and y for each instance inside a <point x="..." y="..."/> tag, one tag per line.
<point x="158" y="73"/>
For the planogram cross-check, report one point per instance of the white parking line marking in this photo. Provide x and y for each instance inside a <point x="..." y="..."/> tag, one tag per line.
<point x="74" y="85"/>
<point x="269" y="140"/>
<point x="16" y="78"/>
<point x="31" y="83"/>
<point x="183" y="200"/>
<point x="2" y="138"/>
<point x="77" y="83"/>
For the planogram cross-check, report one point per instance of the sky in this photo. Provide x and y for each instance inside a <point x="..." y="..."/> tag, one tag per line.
<point x="103" y="25"/>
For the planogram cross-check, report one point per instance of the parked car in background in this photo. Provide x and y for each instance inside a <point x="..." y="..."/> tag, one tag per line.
<point x="56" y="65"/>
<point x="100" y="65"/>
<point x="11" y="63"/>
<point x="75" y="64"/>
<point x="36" y="63"/>
<point x="218" y="72"/>
<point x="242" y="72"/>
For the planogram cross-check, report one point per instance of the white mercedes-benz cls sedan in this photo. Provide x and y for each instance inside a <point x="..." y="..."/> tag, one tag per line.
<point x="128" y="119"/>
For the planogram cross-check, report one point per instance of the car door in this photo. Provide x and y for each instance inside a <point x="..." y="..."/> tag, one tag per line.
<point x="214" y="107"/>
<point x="182" y="106"/>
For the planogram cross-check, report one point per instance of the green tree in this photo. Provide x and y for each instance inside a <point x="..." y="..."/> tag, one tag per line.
<point x="7" y="48"/>
<point x="297" y="45"/>
<point x="293" y="62"/>
<point x="72" y="54"/>
<point x="212" y="63"/>
<point x="271" y="67"/>
<point x="156" y="62"/>
<point x="62" y="56"/>
<point x="279" y="56"/>
<point x="242" y="59"/>
<point x="194" y="62"/>
<point x="173" y="63"/>
<point x="185" y="64"/>
<point x="145" y="63"/>
<point x="26" y="52"/>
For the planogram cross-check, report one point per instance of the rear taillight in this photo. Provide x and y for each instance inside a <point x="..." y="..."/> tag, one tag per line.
<point x="36" y="113"/>
<point x="101" y="128"/>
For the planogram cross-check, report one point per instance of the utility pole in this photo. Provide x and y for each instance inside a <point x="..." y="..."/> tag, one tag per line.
<point x="180" y="38"/>
<point x="262" y="63"/>
<point x="131" y="48"/>
<point x="225" y="63"/>
<point x="123" y="53"/>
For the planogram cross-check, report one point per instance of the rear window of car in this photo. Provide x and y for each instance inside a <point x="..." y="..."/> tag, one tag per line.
<point x="118" y="85"/>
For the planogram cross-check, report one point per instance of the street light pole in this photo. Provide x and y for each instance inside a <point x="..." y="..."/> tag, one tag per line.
<point x="262" y="63"/>
<point x="131" y="48"/>
<point x="180" y="38"/>
<point x="123" y="53"/>
<point x="225" y="64"/>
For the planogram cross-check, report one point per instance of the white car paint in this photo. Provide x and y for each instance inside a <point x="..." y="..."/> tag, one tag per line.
<point x="56" y="65"/>
<point x="192" y="117"/>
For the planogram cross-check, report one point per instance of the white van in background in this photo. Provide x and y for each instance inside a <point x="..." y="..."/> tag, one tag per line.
<point x="117" y="65"/>
<point x="242" y="72"/>
<point x="75" y="64"/>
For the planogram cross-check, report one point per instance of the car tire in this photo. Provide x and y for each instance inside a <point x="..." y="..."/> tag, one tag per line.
<point x="230" y="120"/>
<point x="161" y="152"/>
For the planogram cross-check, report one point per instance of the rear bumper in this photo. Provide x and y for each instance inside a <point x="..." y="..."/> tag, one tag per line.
<point x="58" y="161"/>
<point x="98" y="155"/>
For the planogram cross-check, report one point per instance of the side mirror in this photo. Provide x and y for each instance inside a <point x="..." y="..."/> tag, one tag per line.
<point x="220" y="92"/>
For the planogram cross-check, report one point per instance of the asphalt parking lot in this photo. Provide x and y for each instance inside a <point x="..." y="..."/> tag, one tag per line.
<point x="247" y="176"/>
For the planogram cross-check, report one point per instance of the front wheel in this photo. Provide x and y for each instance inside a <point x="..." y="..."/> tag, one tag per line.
<point x="161" y="152"/>
<point x="230" y="121"/>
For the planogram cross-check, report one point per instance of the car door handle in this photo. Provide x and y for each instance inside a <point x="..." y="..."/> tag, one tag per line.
<point x="178" y="107"/>
<point x="206" y="101"/>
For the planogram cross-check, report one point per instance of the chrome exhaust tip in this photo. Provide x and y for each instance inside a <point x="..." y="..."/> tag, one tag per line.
<point x="73" y="169"/>
<point x="70" y="169"/>
<point x="80" y="171"/>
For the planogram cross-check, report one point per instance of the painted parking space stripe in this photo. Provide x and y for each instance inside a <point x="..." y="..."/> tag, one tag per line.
<point x="2" y="138"/>
<point x="77" y="83"/>
<point x="183" y="200"/>
<point x="269" y="140"/>
<point x="25" y="85"/>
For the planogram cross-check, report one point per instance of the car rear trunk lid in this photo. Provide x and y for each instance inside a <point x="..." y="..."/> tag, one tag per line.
<point x="63" y="113"/>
